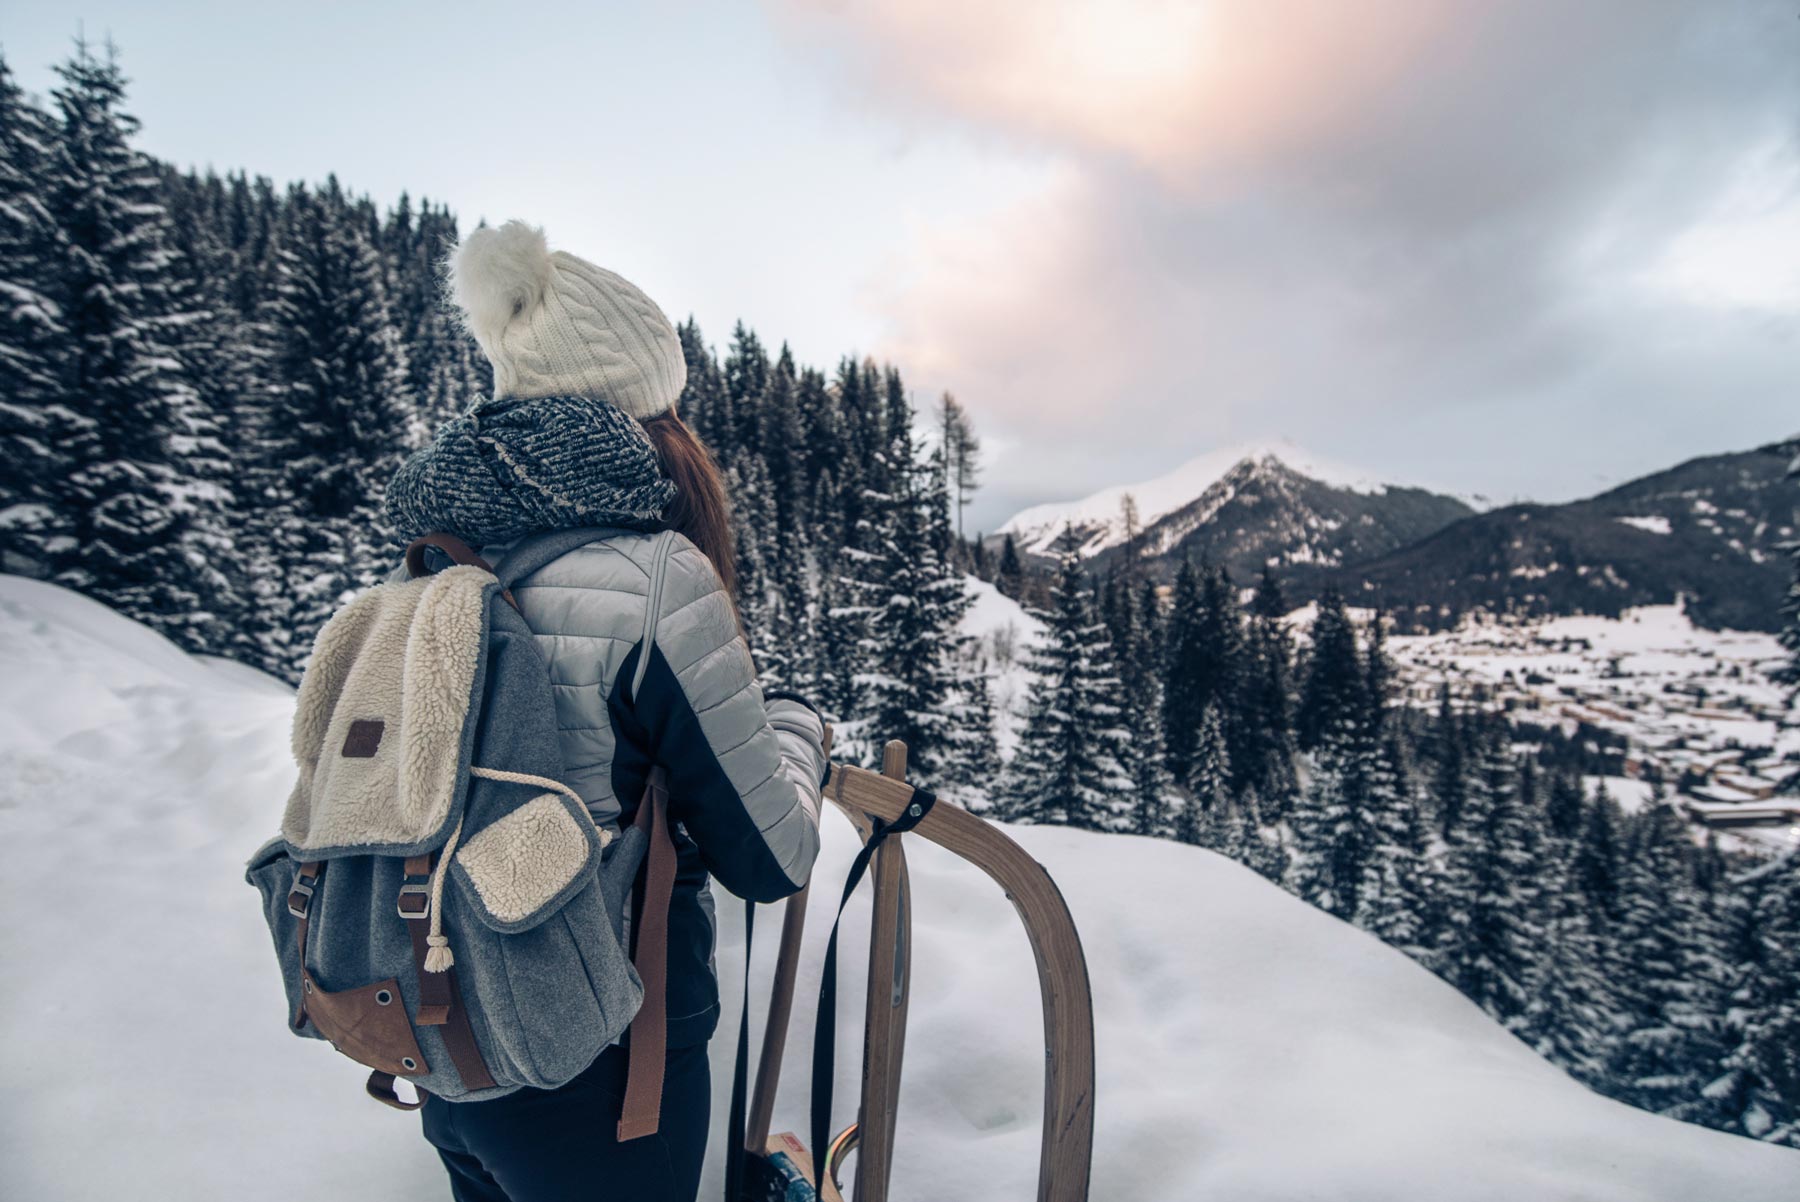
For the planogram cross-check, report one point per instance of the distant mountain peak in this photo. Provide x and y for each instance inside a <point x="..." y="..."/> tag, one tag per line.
<point x="1098" y="518"/>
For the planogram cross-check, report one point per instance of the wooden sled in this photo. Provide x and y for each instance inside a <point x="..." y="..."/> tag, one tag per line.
<point x="1067" y="1146"/>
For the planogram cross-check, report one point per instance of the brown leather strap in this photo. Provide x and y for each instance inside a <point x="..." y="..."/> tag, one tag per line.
<point x="650" y="1028"/>
<point x="381" y="1087"/>
<point x="449" y="544"/>
<point x="440" y="995"/>
<point x="457" y="550"/>
<point x="299" y="902"/>
<point x="415" y="906"/>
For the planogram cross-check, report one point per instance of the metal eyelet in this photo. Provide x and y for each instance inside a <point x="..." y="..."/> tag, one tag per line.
<point x="307" y="985"/>
<point x="383" y="998"/>
<point x="409" y="1064"/>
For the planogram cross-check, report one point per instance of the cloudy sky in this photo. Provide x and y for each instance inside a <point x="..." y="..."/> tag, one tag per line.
<point x="1523" y="250"/>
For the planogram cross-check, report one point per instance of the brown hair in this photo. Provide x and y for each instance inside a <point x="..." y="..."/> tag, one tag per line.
<point x="700" y="510"/>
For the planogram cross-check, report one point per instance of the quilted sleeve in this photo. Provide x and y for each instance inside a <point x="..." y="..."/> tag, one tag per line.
<point x="743" y="771"/>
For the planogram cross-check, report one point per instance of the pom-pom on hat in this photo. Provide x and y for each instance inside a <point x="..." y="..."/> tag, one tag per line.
<point x="556" y="325"/>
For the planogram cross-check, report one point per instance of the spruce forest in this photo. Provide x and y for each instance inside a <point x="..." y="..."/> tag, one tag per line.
<point x="205" y="382"/>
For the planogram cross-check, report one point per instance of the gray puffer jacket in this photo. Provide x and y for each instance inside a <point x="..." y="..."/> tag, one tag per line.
<point x="744" y="769"/>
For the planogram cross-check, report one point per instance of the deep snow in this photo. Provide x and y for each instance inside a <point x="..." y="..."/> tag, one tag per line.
<point x="1250" y="1047"/>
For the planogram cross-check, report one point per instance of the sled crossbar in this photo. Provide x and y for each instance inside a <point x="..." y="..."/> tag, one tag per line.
<point x="1066" y="1149"/>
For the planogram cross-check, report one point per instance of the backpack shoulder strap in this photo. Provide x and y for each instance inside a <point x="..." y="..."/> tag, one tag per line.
<point x="458" y="551"/>
<point x="647" y="1047"/>
<point x="535" y="550"/>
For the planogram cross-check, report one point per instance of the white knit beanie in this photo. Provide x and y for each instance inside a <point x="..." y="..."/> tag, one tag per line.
<point x="556" y="325"/>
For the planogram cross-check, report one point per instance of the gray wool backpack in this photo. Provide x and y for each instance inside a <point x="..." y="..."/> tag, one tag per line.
<point x="444" y="908"/>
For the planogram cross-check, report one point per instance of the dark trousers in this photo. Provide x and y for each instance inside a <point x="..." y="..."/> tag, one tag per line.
<point x="561" y="1145"/>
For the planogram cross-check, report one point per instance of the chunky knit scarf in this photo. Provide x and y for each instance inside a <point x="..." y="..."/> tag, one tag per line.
<point x="511" y="466"/>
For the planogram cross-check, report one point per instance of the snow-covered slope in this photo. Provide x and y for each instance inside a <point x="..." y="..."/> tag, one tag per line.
<point x="1249" y="1047"/>
<point x="1097" y="517"/>
<point x="1003" y="635"/>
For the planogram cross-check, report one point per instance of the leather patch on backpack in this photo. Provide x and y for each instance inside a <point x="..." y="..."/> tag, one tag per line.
<point x="363" y="739"/>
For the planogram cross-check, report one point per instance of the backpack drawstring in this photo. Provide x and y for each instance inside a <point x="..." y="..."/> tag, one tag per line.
<point x="439" y="957"/>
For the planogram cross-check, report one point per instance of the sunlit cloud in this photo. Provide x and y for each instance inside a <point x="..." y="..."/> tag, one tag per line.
<point x="1443" y="240"/>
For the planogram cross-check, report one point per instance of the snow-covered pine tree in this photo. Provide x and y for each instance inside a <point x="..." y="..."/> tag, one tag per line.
<point x="759" y="597"/>
<point x="1569" y="1017"/>
<point x="911" y="655"/>
<point x="1264" y="850"/>
<point x="217" y="345"/>
<point x="1449" y="763"/>
<point x="1491" y="895"/>
<point x="1597" y="859"/>
<point x="1789" y="673"/>
<point x="332" y="427"/>
<point x="1222" y="634"/>
<point x="1138" y="647"/>
<point x="1671" y="990"/>
<point x="784" y="443"/>
<point x="978" y="778"/>
<point x="961" y="456"/>
<point x="1209" y="779"/>
<point x="1267" y="699"/>
<point x="703" y="404"/>
<point x="823" y="441"/>
<point x="1009" y="577"/>
<point x="1333" y="682"/>
<point x="1186" y="687"/>
<point x="1332" y="846"/>
<point x="122" y="378"/>
<point x="1357" y="851"/>
<point x="1563" y="807"/>
<point x="1393" y="899"/>
<point x="1069" y="766"/>
<point x="445" y="371"/>
<point x="838" y="628"/>
<point x="970" y="764"/>
<point x="863" y="442"/>
<point x="1759" y="1091"/>
<point x="35" y="420"/>
<point x="746" y="378"/>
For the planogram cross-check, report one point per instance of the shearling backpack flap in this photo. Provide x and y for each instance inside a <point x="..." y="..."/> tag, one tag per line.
<point x="426" y="740"/>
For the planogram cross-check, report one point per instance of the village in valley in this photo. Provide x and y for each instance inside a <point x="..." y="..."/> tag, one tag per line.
<point x="1666" y="705"/>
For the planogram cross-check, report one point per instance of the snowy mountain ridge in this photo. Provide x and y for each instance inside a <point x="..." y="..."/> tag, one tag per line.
<point x="1098" y="519"/>
<point x="1250" y="1046"/>
<point x="1711" y="531"/>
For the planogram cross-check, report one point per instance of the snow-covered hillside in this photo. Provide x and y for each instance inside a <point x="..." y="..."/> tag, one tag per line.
<point x="1097" y="517"/>
<point x="1002" y="634"/>
<point x="1249" y="1047"/>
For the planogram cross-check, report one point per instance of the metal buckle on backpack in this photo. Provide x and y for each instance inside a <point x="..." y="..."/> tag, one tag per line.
<point x="303" y="889"/>
<point x="423" y="892"/>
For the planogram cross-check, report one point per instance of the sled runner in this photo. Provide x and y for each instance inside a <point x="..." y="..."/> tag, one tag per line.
<point x="882" y="807"/>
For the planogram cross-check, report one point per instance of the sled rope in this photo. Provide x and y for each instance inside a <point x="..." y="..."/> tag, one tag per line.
<point x="825" y="1021"/>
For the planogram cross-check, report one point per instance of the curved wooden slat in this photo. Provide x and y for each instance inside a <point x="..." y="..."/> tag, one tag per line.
<point x="775" y="1029"/>
<point x="1066" y="1152"/>
<point x="781" y="1006"/>
<point x="884" y="1013"/>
